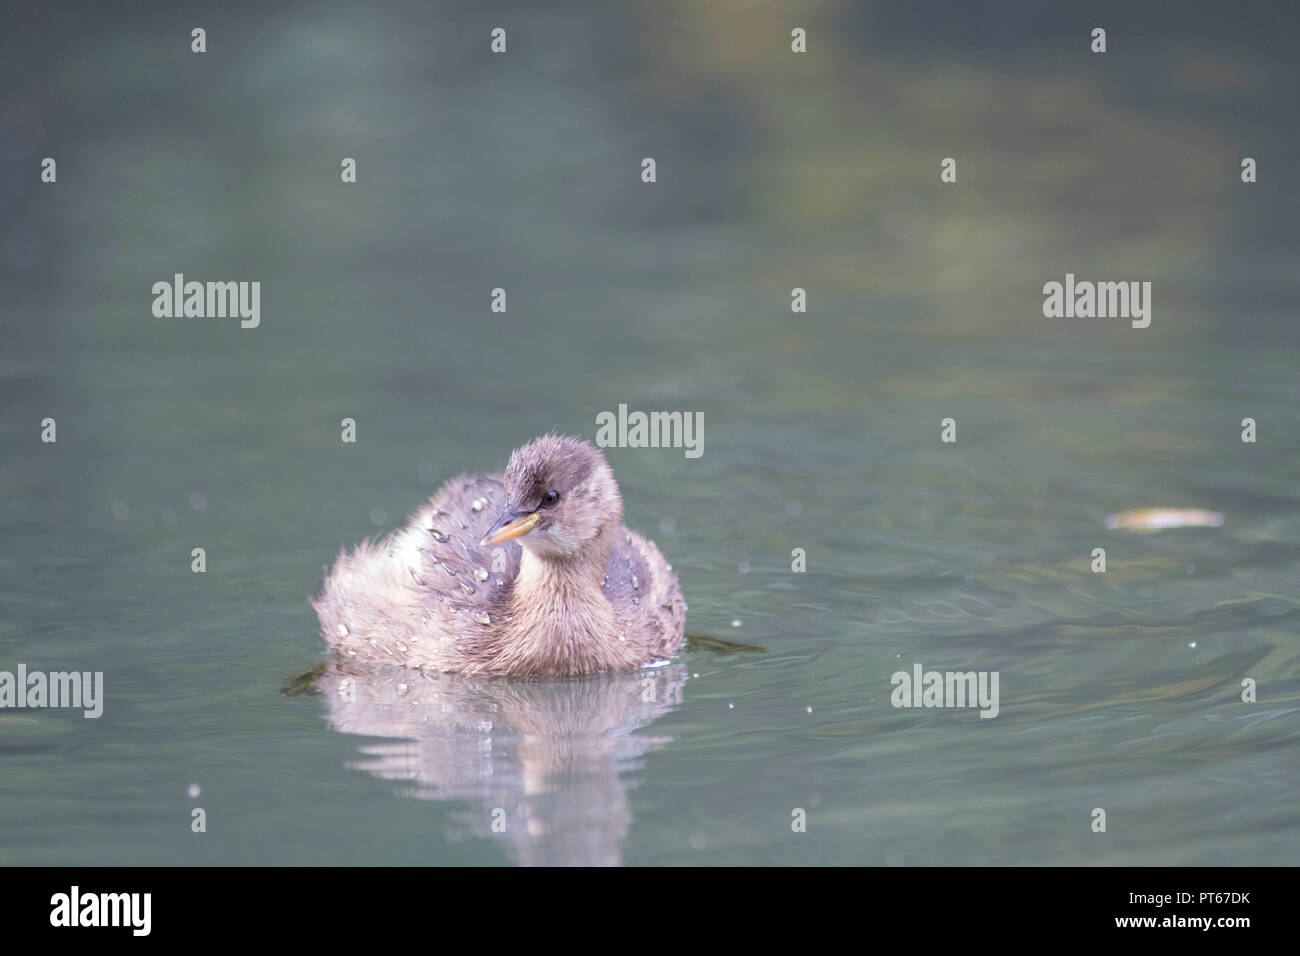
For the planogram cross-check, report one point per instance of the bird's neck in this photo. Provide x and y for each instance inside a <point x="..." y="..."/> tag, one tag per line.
<point x="558" y="583"/>
<point x="561" y="621"/>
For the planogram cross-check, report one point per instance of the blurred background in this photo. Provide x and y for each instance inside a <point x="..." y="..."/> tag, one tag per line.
<point x="775" y="170"/>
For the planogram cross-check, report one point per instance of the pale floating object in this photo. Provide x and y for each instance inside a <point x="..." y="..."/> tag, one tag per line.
<point x="1160" y="519"/>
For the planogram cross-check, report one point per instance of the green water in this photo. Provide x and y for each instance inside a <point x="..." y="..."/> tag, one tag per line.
<point x="821" y="430"/>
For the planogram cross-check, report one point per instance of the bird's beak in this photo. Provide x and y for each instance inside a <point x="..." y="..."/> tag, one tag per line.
<point x="512" y="524"/>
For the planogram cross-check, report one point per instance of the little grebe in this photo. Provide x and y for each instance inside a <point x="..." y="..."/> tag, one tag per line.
<point x="527" y="573"/>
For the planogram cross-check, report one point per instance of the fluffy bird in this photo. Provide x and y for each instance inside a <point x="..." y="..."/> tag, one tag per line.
<point x="531" y="572"/>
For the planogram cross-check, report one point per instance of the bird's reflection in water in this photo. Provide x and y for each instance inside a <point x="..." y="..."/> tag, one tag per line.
<point x="543" y="765"/>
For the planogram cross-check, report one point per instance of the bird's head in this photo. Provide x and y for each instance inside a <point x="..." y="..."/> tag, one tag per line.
<point x="560" y="495"/>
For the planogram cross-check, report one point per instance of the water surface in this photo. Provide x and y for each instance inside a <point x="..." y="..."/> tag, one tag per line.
<point x="1118" y="690"/>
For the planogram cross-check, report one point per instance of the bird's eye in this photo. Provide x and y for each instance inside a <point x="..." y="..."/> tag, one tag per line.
<point x="550" y="498"/>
